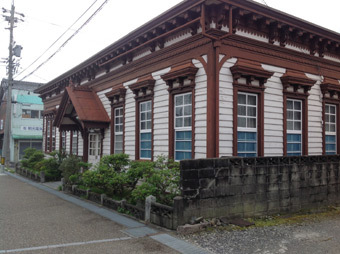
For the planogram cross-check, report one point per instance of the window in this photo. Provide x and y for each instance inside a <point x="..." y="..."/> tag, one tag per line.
<point x="294" y="127"/>
<point x="246" y="125"/>
<point x="28" y="113"/>
<point x="118" y="130"/>
<point x="95" y="144"/>
<point x="183" y="125"/>
<point x="48" y="135"/>
<point x="74" y="143"/>
<point x="63" y="140"/>
<point x="53" y="136"/>
<point x="330" y="129"/>
<point x="145" y="116"/>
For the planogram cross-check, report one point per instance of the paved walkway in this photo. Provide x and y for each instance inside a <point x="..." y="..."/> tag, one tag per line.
<point x="35" y="218"/>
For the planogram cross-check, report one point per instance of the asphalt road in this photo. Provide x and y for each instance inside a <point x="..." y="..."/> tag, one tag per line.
<point x="34" y="221"/>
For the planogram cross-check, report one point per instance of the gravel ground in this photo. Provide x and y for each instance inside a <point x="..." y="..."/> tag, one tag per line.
<point x="315" y="236"/>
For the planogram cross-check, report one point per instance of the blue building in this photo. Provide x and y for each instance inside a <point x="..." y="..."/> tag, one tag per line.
<point x="26" y="118"/>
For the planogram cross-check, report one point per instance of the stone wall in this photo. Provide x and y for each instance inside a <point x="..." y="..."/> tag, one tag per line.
<point x="248" y="187"/>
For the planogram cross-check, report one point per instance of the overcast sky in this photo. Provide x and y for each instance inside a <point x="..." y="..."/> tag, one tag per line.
<point x="46" y="20"/>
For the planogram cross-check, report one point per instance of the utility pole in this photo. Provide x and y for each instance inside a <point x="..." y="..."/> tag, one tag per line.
<point x="6" y="152"/>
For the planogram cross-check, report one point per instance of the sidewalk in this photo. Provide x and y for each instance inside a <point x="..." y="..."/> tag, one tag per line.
<point x="135" y="231"/>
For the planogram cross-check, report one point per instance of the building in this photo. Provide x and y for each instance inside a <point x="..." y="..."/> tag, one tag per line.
<point x="26" y="118"/>
<point x="204" y="79"/>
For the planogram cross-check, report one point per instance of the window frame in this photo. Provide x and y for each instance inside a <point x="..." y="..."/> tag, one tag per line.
<point x="71" y="142"/>
<point x="114" y="116"/>
<point x="139" y="131"/>
<point x="143" y="90"/>
<point x="295" y="132"/>
<point x="117" y="99"/>
<point x="304" y="126"/>
<point x="246" y="129"/>
<point x="175" y="129"/>
<point x="336" y="103"/>
<point x="62" y="140"/>
<point x="30" y="114"/>
<point x="172" y="132"/>
<point x="49" y="131"/>
<point x="259" y="91"/>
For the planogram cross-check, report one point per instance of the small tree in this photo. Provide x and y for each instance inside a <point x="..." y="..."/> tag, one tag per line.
<point x="71" y="166"/>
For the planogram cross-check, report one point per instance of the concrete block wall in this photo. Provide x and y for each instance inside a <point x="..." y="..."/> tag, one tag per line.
<point x="248" y="187"/>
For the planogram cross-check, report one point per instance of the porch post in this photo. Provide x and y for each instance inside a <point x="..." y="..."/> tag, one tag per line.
<point x="86" y="145"/>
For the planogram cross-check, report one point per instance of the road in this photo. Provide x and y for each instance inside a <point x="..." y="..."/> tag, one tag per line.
<point x="35" y="221"/>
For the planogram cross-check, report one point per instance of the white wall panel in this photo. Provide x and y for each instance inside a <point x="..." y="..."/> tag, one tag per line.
<point x="130" y="121"/>
<point x="107" y="133"/>
<point x="226" y="108"/>
<point x="200" y="111"/>
<point x="161" y="115"/>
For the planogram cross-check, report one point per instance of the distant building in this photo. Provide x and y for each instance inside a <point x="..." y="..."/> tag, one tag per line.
<point x="26" y="121"/>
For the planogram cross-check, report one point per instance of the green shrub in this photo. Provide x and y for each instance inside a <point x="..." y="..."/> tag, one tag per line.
<point x="117" y="177"/>
<point x="33" y="157"/>
<point x="28" y="152"/>
<point x="116" y="162"/>
<point x="70" y="166"/>
<point x="161" y="183"/>
<point x="51" y="168"/>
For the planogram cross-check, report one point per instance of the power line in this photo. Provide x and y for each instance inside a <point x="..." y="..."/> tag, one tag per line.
<point x="265" y="2"/>
<point x="45" y="21"/>
<point x="57" y="41"/>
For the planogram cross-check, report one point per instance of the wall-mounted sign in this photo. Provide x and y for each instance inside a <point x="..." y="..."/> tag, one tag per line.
<point x="31" y="128"/>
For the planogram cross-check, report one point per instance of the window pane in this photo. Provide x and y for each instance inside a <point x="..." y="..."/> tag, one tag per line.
<point x="297" y="115"/>
<point x="327" y="108"/>
<point x="182" y="156"/>
<point x="148" y="125"/>
<point x="297" y="126"/>
<point x="246" y="144"/>
<point x="241" y="110"/>
<point x="241" y="98"/>
<point x="251" y="111"/>
<point x="332" y="128"/>
<point x="145" y="136"/>
<point x="289" y="104"/>
<point x="293" y="138"/>
<point x="297" y="105"/>
<point x="251" y="100"/>
<point x="145" y="154"/>
<point x="289" y="125"/>
<point x="332" y="119"/>
<point x="178" y="100"/>
<point x="187" y="99"/>
<point x="187" y="121"/>
<point x="241" y="122"/>
<point x="290" y="115"/>
<point x="148" y="115"/>
<point x="142" y="107"/>
<point x="179" y="122"/>
<point x="187" y="110"/>
<point x="332" y="109"/>
<point x="179" y="111"/>
<point x="251" y="122"/>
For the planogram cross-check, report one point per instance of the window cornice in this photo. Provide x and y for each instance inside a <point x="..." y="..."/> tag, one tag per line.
<point x="331" y="86"/>
<point x="250" y="71"/>
<point x="144" y="87"/>
<point x="297" y="80"/>
<point x="116" y="95"/>
<point x="179" y="73"/>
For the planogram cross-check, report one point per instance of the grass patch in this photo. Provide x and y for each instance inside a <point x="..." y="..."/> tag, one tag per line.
<point x="297" y="218"/>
